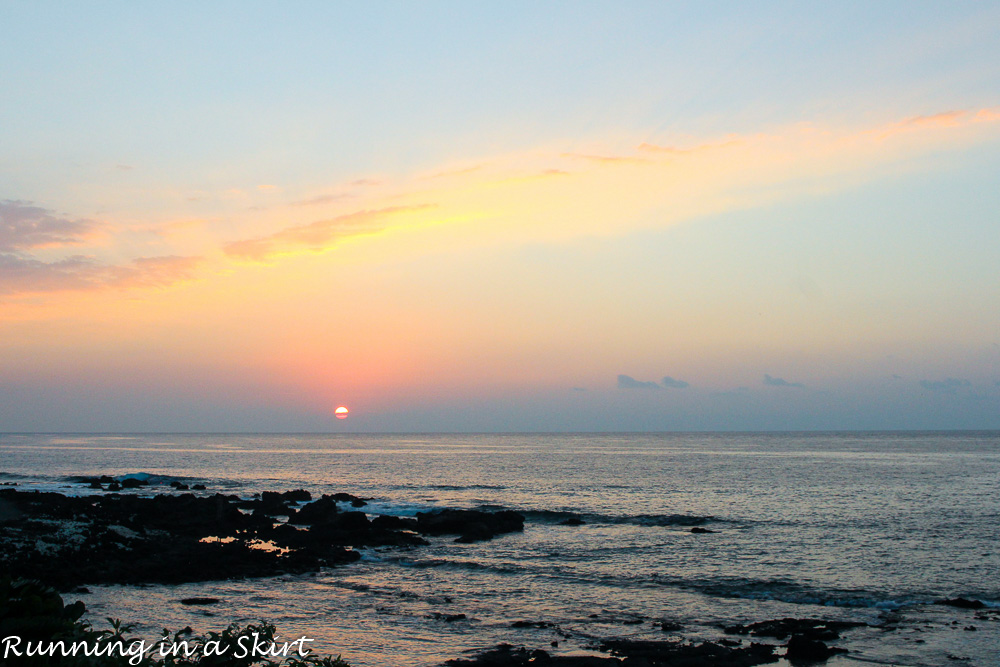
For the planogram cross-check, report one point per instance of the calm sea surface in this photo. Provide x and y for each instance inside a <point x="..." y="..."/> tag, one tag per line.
<point x="857" y="526"/>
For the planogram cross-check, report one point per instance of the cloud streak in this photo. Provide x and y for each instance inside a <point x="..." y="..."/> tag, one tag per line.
<point x="26" y="227"/>
<point x="25" y="275"/>
<point x="546" y="195"/>
<point x="629" y="382"/>
<point x="527" y="196"/>
<point x="779" y="382"/>
<point x="317" y="236"/>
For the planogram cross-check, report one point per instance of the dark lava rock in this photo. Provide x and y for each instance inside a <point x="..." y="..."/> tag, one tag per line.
<point x="803" y="649"/>
<point x="683" y="654"/>
<point x="348" y="498"/>
<point x="476" y="532"/>
<point x="317" y="512"/>
<point x="962" y="603"/>
<point x="506" y="655"/>
<point x="352" y="521"/>
<point x="699" y="530"/>
<point x="199" y="487"/>
<point x="170" y="539"/>
<point x="271" y="503"/>
<point x="447" y="618"/>
<point x="810" y="628"/>
<point x="199" y="601"/>
<point x="670" y="626"/>
<point x="470" y="525"/>
<point x="631" y="654"/>
<point x="188" y="513"/>
<point x="132" y="483"/>
<point x="9" y="513"/>
<point x="394" y="523"/>
<point x="572" y="521"/>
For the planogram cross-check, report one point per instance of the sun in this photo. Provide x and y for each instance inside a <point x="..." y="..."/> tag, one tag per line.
<point x="341" y="412"/>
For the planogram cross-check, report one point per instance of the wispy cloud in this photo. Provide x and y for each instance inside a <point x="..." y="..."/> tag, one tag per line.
<point x="674" y="150"/>
<point x="535" y="195"/>
<point x="461" y="171"/>
<point x="628" y="382"/>
<point x="606" y="159"/>
<point x="317" y="236"/>
<point x="955" y="118"/>
<point x="26" y="275"/>
<point x="779" y="382"/>
<point x="549" y="195"/>
<point x="25" y="227"/>
<point x="322" y="199"/>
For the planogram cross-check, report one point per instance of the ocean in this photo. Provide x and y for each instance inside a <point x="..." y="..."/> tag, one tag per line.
<point x="870" y="527"/>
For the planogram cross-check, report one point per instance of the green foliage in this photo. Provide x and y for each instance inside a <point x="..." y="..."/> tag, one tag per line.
<point x="36" y="613"/>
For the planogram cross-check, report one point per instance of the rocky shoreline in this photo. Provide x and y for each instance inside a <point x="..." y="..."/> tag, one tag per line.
<point x="118" y="537"/>
<point x="69" y="541"/>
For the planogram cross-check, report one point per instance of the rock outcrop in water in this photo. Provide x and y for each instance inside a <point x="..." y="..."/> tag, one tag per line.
<point x="123" y="538"/>
<point x="811" y="628"/>
<point x="628" y="653"/>
<point x="806" y="636"/>
<point x="469" y="525"/>
<point x="962" y="603"/>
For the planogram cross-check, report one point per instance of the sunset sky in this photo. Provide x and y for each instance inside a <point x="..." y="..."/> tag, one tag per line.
<point x="509" y="216"/>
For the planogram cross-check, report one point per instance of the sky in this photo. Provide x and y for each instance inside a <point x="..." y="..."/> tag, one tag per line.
<point x="510" y="216"/>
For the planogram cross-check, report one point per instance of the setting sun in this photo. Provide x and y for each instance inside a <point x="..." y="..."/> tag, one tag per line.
<point x="341" y="412"/>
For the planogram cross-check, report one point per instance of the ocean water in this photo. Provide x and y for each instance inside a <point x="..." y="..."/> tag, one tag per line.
<point x="849" y="526"/>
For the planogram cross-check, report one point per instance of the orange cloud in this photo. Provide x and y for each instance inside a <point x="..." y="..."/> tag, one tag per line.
<point x="945" y="119"/>
<point x="605" y="159"/>
<point x="653" y="148"/>
<point x="321" y="199"/>
<point x="540" y="195"/>
<point x="516" y="197"/>
<point x="987" y="115"/>
<point x="316" y="236"/>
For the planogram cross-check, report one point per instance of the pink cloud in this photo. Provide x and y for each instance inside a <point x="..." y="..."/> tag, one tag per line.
<point x="23" y="227"/>
<point x="26" y="275"/>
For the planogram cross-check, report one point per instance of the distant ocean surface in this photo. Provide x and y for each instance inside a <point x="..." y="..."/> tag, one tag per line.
<point x="855" y="526"/>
